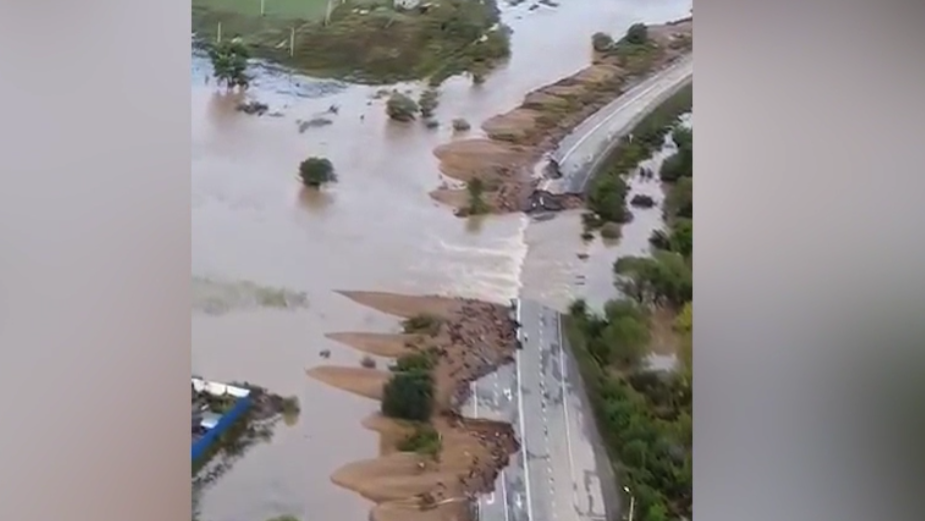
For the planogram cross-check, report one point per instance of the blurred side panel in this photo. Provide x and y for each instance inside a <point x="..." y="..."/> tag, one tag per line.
<point x="810" y="296"/>
<point x="94" y="259"/>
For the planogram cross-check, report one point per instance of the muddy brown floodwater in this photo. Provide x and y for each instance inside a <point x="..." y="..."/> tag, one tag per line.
<point x="377" y="229"/>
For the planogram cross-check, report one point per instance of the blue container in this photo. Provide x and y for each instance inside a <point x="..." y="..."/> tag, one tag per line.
<point x="202" y="444"/>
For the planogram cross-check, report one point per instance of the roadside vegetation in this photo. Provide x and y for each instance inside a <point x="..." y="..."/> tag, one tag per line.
<point x="645" y="415"/>
<point x="608" y="190"/>
<point x="677" y="173"/>
<point x="366" y="41"/>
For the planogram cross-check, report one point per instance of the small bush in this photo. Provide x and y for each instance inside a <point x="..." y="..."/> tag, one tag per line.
<point x="637" y="34"/>
<point x="401" y="108"/>
<point x="316" y="171"/>
<point x="422" y="361"/>
<point x="476" y="188"/>
<point x="290" y="406"/>
<point x="368" y="362"/>
<point x="461" y="125"/>
<point x="424" y="440"/>
<point x="422" y="323"/>
<point x="610" y="231"/>
<point x="428" y="102"/>
<point x="408" y="396"/>
<point x="601" y="42"/>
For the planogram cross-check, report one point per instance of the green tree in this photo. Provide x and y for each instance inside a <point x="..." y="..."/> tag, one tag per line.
<point x="682" y="238"/>
<point x="476" y="189"/>
<point x="578" y="308"/>
<point x="428" y="102"/>
<point x="664" y="278"/>
<point x="401" y="108"/>
<point x="656" y="512"/>
<point x="229" y="63"/>
<point x="601" y="42"/>
<point x="681" y="163"/>
<point x="637" y="34"/>
<point x="316" y="171"/>
<point x="408" y="396"/>
<point x="679" y="202"/>
<point x="607" y="198"/>
<point x="420" y="362"/>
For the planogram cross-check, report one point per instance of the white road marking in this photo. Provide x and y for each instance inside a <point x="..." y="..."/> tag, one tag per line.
<point x="523" y="436"/>
<point x="655" y="84"/>
<point x="504" y="495"/>
<point x="568" y="437"/>
<point x="475" y="400"/>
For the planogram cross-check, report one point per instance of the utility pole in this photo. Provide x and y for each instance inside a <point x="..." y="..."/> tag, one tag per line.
<point x="632" y="502"/>
<point x="263" y="7"/>
<point x="327" y="14"/>
<point x="218" y="38"/>
<point x="292" y="42"/>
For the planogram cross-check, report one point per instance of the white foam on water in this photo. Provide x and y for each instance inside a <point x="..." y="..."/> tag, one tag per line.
<point x="491" y="271"/>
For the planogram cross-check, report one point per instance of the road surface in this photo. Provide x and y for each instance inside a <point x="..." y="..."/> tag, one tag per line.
<point x="579" y="153"/>
<point x="495" y="397"/>
<point x="561" y="472"/>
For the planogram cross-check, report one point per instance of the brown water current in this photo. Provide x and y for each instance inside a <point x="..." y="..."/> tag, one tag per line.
<point x="259" y="238"/>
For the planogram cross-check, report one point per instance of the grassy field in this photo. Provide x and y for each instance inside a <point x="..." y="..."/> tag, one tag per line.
<point x="366" y="40"/>
<point x="286" y="9"/>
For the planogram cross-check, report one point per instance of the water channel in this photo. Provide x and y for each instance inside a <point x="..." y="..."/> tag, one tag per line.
<point x="259" y="239"/>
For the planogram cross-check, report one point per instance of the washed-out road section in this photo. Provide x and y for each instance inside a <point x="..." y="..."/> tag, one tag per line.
<point x="561" y="472"/>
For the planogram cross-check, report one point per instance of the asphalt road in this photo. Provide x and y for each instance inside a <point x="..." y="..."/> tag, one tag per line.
<point x="561" y="472"/>
<point x="496" y="397"/>
<point x="579" y="153"/>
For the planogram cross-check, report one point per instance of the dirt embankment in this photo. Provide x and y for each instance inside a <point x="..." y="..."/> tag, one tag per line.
<point x="517" y="139"/>
<point x="473" y="338"/>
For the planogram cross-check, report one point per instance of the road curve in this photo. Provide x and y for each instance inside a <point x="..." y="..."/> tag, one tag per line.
<point x="580" y="152"/>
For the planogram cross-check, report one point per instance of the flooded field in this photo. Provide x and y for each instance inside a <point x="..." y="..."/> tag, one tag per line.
<point x="268" y="255"/>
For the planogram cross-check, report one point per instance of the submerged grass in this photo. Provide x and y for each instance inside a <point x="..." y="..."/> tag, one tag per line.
<point x="216" y="298"/>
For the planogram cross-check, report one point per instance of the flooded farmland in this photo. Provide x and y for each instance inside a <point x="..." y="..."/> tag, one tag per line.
<point x="268" y="255"/>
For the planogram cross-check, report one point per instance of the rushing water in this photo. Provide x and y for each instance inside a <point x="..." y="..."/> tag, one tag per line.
<point x="258" y="237"/>
<point x="556" y="275"/>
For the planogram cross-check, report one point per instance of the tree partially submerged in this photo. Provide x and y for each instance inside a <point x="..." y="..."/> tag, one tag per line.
<point x="602" y="42"/>
<point x="229" y="63"/>
<point x="401" y="108"/>
<point x="316" y="172"/>
<point x="637" y="34"/>
<point x="663" y="279"/>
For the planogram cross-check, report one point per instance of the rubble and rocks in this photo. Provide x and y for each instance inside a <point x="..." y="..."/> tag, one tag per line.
<point x="254" y="108"/>
<point x="543" y="201"/>
<point x="642" y="201"/>
<point x="473" y="343"/>
<point x="312" y="123"/>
